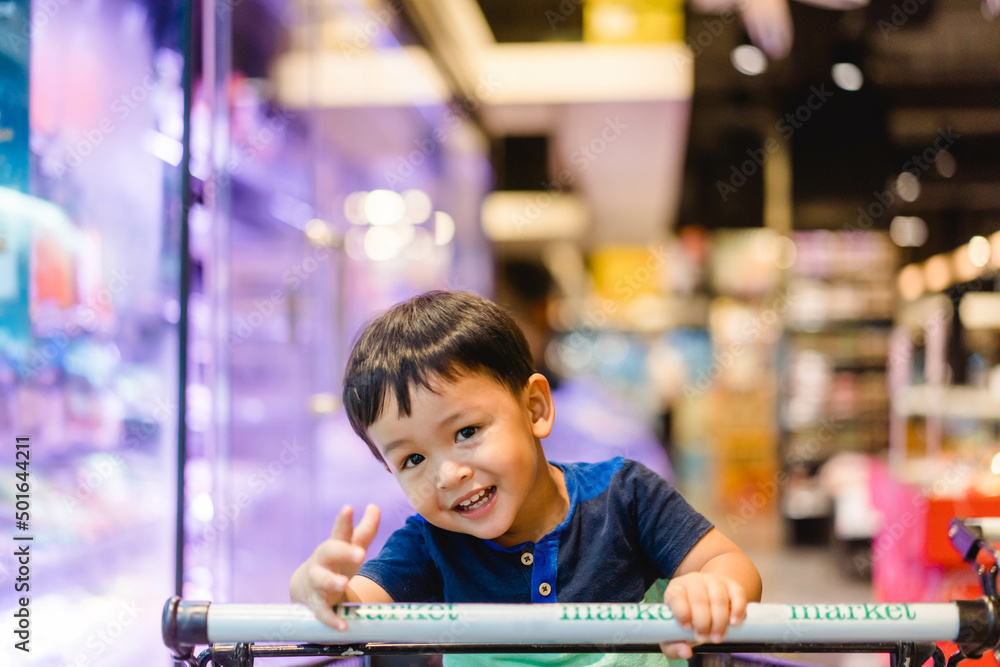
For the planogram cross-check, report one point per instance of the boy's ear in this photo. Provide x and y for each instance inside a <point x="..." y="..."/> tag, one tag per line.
<point x="541" y="410"/>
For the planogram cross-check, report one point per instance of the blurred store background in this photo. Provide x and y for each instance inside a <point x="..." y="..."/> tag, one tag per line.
<point x="754" y="244"/>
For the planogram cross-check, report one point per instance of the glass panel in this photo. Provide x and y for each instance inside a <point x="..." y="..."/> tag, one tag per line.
<point x="89" y="312"/>
<point x="344" y="200"/>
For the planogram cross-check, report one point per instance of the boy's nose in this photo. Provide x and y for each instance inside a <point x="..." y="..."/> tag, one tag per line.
<point x="452" y="473"/>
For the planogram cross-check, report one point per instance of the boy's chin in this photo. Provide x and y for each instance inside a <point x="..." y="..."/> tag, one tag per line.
<point x="481" y="532"/>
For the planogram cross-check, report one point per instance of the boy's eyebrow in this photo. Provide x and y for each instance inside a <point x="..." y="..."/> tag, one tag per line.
<point x="453" y="416"/>
<point x="392" y="445"/>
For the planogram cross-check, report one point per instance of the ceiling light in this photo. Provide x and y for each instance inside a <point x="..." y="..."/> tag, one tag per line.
<point x="202" y="507"/>
<point x="382" y="243"/>
<point x="945" y="164"/>
<point x="320" y="233"/>
<point x="937" y="273"/>
<point x="979" y="251"/>
<point x="911" y="282"/>
<point x="963" y="268"/>
<point x="418" y="206"/>
<point x="908" y="231"/>
<point x="384" y="207"/>
<point x="748" y="59"/>
<point x="908" y="186"/>
<point x="444" y="228"/>
<point x="848" y="76"/>
<point x="352" y="207"/>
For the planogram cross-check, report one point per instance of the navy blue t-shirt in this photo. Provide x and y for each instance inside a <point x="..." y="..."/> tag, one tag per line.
<point x="626" y="528"/>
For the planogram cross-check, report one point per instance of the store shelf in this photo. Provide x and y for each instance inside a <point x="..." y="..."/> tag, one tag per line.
<point x="834" y="395"/>
<point x="806" y="500"/>
<point x="838" y="422"/>
<point x="838" y="324"/>
<point x="859" y="367"/>
<point x="947" y="401"/>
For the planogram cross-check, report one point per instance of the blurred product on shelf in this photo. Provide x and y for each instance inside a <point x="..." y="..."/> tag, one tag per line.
<point x="685" y="330"/>
<point x="910" y="559"/>
<point x="745" y="326"/>
<point x="944" y="449"/>
<point x="835" y="400"/>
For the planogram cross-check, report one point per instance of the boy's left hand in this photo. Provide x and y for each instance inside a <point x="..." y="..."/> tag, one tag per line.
<point x="706" y="603"/>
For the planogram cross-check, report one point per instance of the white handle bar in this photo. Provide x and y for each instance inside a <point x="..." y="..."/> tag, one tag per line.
<point x="567" y="623"/>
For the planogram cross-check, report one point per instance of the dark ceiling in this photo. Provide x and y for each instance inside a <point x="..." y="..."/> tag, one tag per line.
<point x="928" y="64"/>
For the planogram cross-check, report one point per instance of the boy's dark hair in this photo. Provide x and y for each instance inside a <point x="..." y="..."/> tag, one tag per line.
<point x="437" y="334"/>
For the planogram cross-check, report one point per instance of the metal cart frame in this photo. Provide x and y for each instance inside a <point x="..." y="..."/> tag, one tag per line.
<point x="186" y="625"/>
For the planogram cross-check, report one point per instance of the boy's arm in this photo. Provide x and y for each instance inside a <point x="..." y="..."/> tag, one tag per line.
<point x="363" y="589"/>
<point x="329" y="577"/>
<point x="716" y="553"/>
<point x="710" y="589"/>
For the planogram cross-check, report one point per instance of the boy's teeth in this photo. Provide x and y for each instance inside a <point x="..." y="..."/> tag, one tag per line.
<point x="474" y="499"/>
<point x="466" y="503"/>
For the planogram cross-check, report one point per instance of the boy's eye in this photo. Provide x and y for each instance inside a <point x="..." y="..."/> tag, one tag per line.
<point x="466" y="433"/>
<point x="412" y="460"/>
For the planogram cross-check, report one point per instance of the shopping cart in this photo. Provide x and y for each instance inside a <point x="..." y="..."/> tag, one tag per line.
<point x="237" y="634"/>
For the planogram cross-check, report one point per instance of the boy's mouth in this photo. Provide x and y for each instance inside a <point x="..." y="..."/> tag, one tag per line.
<point x="477" y="500"/>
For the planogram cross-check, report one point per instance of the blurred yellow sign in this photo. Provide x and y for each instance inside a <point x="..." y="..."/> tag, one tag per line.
<point x="633" y="21"/>
<point x="623" y="273"/>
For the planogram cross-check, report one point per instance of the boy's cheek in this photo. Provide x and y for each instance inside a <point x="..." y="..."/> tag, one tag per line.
<point x="419" y="493"/>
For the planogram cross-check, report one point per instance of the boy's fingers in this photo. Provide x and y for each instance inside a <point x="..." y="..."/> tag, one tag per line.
<point x="676" y="650"/>
<point x="367" y="527"/>
<point x="339" y="556"/>
<point x="329" y="585"/>
<point x="701" y="611"/>
<point x="343" y="527"/>
<point x="737" y="602"/>
<point x="676" y="597"/>
<point x="718" y="599"/>
<point x="324" y="612"/>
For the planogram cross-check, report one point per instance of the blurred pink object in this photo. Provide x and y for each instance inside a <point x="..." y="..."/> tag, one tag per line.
<point x="900" y="571"/>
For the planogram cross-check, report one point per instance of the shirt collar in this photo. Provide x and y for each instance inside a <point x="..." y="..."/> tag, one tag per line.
<point x="573" y="490"/>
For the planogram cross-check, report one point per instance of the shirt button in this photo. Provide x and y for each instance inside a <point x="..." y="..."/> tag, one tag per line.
<point x="527" y="558"/>
<point x="544" y="589"/>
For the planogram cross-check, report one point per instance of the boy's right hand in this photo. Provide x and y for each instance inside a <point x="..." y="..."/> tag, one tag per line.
<point x="321" y="581"/>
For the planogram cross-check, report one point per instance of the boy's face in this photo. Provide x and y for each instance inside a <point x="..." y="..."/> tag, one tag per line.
<point x="468" y="455"/>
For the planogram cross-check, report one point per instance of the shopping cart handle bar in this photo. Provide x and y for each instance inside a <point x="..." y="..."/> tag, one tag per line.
<point x="971" y="623"/>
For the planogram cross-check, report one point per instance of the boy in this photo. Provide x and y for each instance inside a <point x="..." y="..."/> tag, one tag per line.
<point x="443" y="391"/>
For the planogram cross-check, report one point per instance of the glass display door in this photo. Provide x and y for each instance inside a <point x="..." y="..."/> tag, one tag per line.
<point x="91" y="145"/>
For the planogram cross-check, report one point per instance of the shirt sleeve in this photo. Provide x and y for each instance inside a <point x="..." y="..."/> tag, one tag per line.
<point x="404" y="567"/>
<point x="668" y="526"/>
